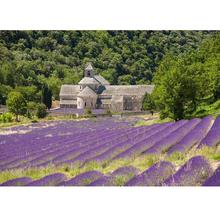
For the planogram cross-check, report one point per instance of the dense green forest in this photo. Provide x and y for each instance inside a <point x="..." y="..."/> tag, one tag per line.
<point x="184" y="65"/>
<point x="31" y="59"/>
<point x="189" y="85"/>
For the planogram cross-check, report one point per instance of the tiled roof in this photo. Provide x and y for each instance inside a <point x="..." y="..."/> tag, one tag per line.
<point x="87" y="92"/>
<point x="89" y="81"/>
<point x="101" y="79"/>
<point x="69" y="90"/>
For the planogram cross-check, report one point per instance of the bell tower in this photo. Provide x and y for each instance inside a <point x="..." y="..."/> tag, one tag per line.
<point x="89" y="72"/>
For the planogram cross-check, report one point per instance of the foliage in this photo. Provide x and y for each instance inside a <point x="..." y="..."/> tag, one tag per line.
<point x="88" y="111"/>
<point x="4" y="91"/>
<point x="31" y="109"/>
<point x="185" y="82"/>
<point x="47" y="96"/>
<point x="148" y="103"/>
<point x="29" y="92"/>
<point x="33" y="58"/>
<point x="41" y="111"/>
<point x="204" y="109"/>
<point x="6" y="117"/>
<point x="16" y="104"/>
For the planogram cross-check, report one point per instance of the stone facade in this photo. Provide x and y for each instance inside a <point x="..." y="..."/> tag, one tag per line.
<point x="95" y="92"/>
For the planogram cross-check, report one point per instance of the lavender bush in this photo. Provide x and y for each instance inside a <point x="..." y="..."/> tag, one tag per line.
<point x="83" y="179"/>
<point x="214" y="180"/>
<point x="153" y="176"/>
<point x="173" y="138"/>
<point x="212" y="139"/>
<point x="50" y="180"/>
<point x="192" y="137"/>
<point x="22" y="181"/>
<point x="125" y="171"/>
<point x="145" y="143"/>
<point x="103" y="181"/>
<point x="192" y="173"/>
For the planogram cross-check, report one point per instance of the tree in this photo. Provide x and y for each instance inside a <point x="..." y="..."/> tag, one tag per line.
<point x="4" y="91"/>
<point x="148" y="104"/>
<point x="179" y="85"/>
<point x="125" y="80"/>
<point x="54" y="84"/>
<point x="16" y="104"/>
<point x="47" y="96"/>
<point x="29" y="92"/>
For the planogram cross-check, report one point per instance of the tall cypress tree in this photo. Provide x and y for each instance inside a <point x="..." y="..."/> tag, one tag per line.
<point x="47" y="96"/>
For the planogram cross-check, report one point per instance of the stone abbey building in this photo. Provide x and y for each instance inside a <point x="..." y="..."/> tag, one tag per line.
<point x="95" y="92"/>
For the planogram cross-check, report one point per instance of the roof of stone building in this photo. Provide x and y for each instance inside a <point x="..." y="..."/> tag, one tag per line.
<point x="101" y="79"/>
<point x="89" y="81"/>
<point x="87" y="92"/>
<point x="69" y="90"/>
<point x="136" y="90"/>
<point x="89" y="67"/>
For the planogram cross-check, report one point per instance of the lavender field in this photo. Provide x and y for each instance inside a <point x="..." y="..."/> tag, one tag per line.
<point x="111" y="152"/>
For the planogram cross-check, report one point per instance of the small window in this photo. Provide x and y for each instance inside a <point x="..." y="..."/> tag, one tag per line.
<point x="85" y="104"/>
<point x="88" y="73"/>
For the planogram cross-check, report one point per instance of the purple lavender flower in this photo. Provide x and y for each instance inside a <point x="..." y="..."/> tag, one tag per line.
<point x="149" y="140"/>
<point x="127" y="170"/>
<point x="192" y="173"/>
<point x="153" y="176"/>
<point x="83" y="179"/>
<point x="22" y="181"/>
<point x="213" y="137"/>
<point x="50" y="180"/>
<point x="173" y="138"/>
<point x="53" y="142"/>
<point x="103" y="181"/>
<point x="214" y="180"/>
<point x="192" y="137"/>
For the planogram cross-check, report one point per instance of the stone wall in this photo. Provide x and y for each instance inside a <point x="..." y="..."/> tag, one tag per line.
<point x="83" y="103"/>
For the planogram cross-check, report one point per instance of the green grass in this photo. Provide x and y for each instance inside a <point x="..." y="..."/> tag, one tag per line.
<point x="153" y="121"/>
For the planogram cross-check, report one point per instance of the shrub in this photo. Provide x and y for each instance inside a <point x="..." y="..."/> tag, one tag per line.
<point x="31" y="109"/>
<point x="108" y="112"/>
<point x="41" y="111"/>
<point x="88" y="111"/>
<point x="6" y="117"/>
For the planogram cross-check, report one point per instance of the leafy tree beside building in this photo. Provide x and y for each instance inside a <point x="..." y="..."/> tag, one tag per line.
<point x="16" y="104"/>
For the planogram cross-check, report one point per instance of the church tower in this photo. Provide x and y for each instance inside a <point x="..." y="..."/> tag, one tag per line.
<point x="89" y="72"/>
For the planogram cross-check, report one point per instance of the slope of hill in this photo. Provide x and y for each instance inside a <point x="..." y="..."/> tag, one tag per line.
<point x="32" y="58"/>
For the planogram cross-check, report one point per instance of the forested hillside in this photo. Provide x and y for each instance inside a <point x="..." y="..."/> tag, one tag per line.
<point x="189" y="85"/>
<point x="29" y="60"/>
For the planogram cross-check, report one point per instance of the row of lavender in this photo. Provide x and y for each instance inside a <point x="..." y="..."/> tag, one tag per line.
<point x="196" y="172"/>
<point x="57" y="138"/>
<point x="102" y="140"/>
<point x="65" y="144"/>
